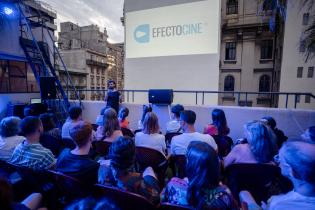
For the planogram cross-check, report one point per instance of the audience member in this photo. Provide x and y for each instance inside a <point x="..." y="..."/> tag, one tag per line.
<point x="77" y="163"/>
<point x="297" y="162"/>
<point x="32" y="202"/>
<point x="75" y="116"/>
<point x="100" y="118"/>
<point x="122" y="117"/>
<point x="280" y="137"/>
<point x="180" y="143"/>
<point x="173" y="126"/>
<point x="219" y="125"/>
<point x="149" y="136"/>
<point x="118" y="173"/>
<point x="9" y="138"/>
<point x="309" y="135"/>
<point x="91" y="203"/>
<point x="49" y="125"/>
<point x="30" y="153"/>
<point x="145" y="110"/>
<point x="110" y="129"/>
<point x="260" y="147"/>
<point x="201" y="189"/>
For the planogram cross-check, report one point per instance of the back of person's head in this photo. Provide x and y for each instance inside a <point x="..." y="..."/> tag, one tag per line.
<point x="122" y="153"/>
<point x="151" y="123"/>
<point x="9" y="126"/>
<point x="309" y="135"/>
<point x="30" y="125"/>
<point x="123" y="113"/>
<point x="48" y="121"/>
<point x="300" y="156"/>
<point x="91" y="203"/>
<point x="145" y="110"/>
<point x="75" y="112"/>
<point x="111" y="122"/>
<point x="188" y="116"/>
<point x="177" y="109"/>
<point x="203" y="170"/>
<point x="270" y="121"/>
<point x="262" y="141"/>
<point x="6" y="195"/>
<point x="219" y="120"/>
<point x="81" y="133"/>
<point x="29" y="111"/>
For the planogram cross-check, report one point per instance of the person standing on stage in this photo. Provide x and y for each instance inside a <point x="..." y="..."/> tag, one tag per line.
<point x="113" y="96"/>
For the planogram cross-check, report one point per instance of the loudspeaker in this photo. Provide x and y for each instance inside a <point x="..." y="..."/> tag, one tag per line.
<point x="47" y="88"/>
<point x="161" y="96"/>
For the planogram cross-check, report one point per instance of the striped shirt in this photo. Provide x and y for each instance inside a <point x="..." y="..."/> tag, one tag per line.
<point x="33" y="156"/>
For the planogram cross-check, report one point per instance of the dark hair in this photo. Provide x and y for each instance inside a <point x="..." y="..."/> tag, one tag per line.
<point x="28" y="111"/>
<point x="81" y="132"/>
<point x="110" y="121"/>
<point x="75" y="112"/>
<point x="203" y="171"/>
<point x="91" y="203"/>
<point x="311" y="133"/>
<point x="48" y="121"/>
<point x="122" y="154"/>
<point x="9" y="126"/>
<point x="219" y="120"/>
<point x="6" y="195"/>
<point x="177" y="109"/>
<point x="151" y="123"/>
<point x="188" y="116"/>
<point x="146" y="109"/>
<point x="111" y="81"/>
<point x="29" y="125"/>
<point x="123" y="113"/>
<point x="270" y="121"/>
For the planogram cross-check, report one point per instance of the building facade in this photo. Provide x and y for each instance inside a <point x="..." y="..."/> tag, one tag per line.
<point x="247" y="60"/>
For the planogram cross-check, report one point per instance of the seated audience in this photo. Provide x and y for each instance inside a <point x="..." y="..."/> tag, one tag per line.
<point x="122" y="117"/>
<point x="146" y="109"/>
<point x="75" y="116"/>
<point x="32" y="202"/>
<point x="260" y="147"/>
<point x="173" y="126"/>
<point x="297" y="162"/>
<point x="30" y="153"/>
<point x="77" y="163"/>
<point x="110" y="129"/>
<point x="99" y="119"/>
<point x="180" y="143"/>
<point x="201" y="189"/>
<point x="9" y="138"/>
<point x="280" y="137"/>
<point x="149" y="136"/>
<point x="119" y="173"/>
<point x="49" y="125"/>
<point x="309" y="135"/>
<point x="219" y="125"/>
<point x="91" y="203"/>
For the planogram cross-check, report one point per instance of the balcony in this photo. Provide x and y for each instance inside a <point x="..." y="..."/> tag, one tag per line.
<point x="96" y="63"/>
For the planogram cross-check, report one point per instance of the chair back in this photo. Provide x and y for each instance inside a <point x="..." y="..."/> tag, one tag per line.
<point x="169" y="206"/>
<point x="68" y="143"/>
<point x="127" y="132"/>
<point x="124" y="199"/>
<point x="6" y="169"/>
<point x="180" y="165"/>
<point x="224" y="144"/>
<point x="101" y="147"/>
<point x="169" y="136"/>
<point x="55" y="145"/>
<point x="261" y="180"/>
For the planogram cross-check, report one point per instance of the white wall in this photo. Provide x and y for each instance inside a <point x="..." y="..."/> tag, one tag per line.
<point x="292" y="122"/>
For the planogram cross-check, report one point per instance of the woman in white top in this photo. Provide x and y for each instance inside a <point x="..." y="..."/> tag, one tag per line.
<point x="150" y="137"/>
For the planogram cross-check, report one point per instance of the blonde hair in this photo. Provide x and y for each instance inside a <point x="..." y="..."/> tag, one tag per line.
<point x="151" y="123"/>
<point x="111" y="122"/>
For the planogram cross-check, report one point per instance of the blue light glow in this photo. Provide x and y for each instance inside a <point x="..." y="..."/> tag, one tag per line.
<point x="8" y="10"/>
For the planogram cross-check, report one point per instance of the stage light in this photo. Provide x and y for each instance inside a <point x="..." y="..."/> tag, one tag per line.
<point x="8" y="10"/>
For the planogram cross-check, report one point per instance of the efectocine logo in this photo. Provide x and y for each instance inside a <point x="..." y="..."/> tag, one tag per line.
<point x="142" y="33"/>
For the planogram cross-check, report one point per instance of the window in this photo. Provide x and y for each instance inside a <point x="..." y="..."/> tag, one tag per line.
<point x="264" y="83"/>
<point x="103" y="81"/>
<point x="306" y="17"/>
<point x="92" y="80"/>
<point x="302" y="46"/>
<point x="229" y="83"/>
<point x="307" y="99"/>
<point x="98" y="80"/>
<point x="230" y="51"/>
<point x="266" y="49"/>
<point x="299" y="72"/>
<point x="232" y="7"/>
<point x="298" y="98"/>
<point x="98" y="71"/>
<point x="92" y="70"/>
<point x="310" y="72"/>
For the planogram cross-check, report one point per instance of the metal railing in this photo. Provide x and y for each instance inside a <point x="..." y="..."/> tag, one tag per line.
<point x="240" y="98"/>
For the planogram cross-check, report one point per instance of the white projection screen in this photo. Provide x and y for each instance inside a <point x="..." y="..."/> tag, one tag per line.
<point x="172" y="44"/>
